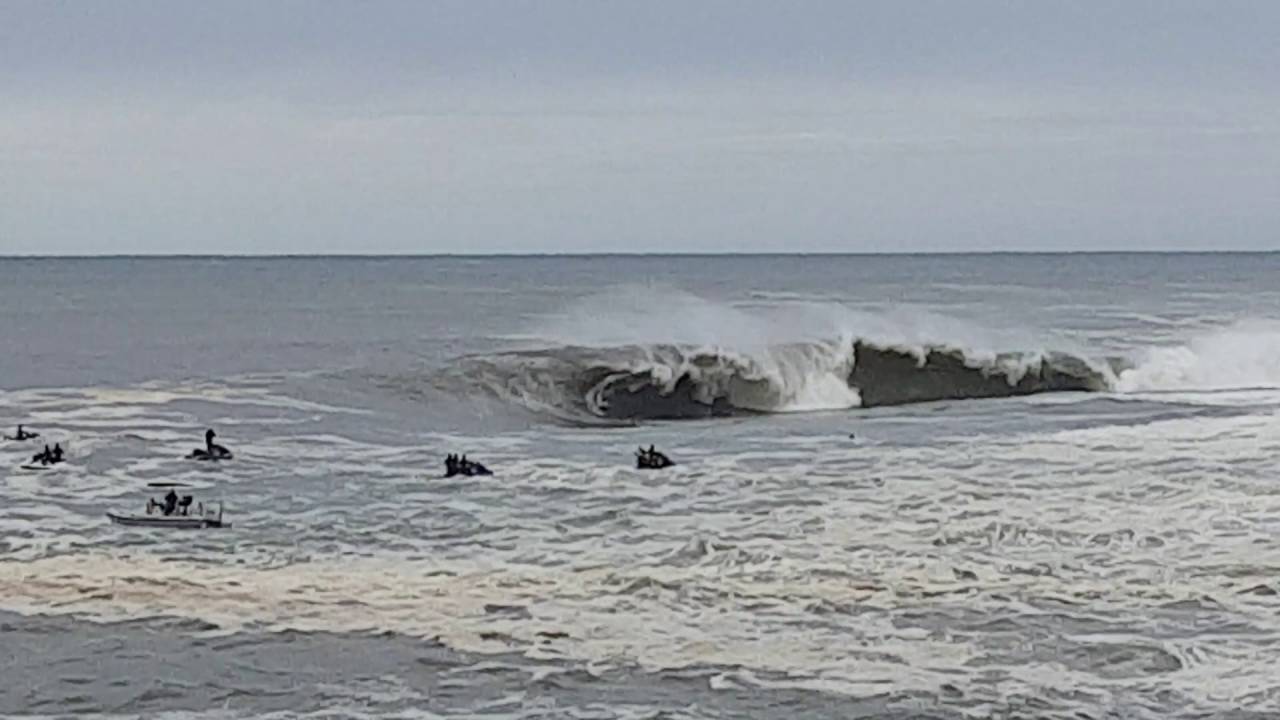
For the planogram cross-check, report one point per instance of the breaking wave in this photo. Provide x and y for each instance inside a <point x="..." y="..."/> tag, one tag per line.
<point x="601" y="363"/>
<point x="668" y="382"/>
<point x="1244" y="355"/>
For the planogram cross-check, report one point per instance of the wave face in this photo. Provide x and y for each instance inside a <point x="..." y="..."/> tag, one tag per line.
<point x="889" y="376"/>
<point x="673" y="382"/>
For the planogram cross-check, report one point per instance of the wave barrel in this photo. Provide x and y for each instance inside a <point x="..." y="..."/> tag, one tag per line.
<point x="891" y="376"/>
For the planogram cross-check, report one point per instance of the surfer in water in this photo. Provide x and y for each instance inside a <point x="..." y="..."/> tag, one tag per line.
<point x="651" y="459"/>
<point x="211" y="450"/>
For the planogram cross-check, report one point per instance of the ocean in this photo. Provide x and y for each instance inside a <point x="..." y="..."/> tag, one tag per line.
<point x="949" y="486"/>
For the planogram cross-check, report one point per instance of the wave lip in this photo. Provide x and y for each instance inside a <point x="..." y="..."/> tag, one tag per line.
<point x="674" y="382"/>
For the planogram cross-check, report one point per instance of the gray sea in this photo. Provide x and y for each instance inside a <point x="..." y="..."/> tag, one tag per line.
<point x="900" y="531"/>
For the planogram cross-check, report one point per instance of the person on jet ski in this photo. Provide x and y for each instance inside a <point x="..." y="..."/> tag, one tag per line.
<point x="44" y="458"/>
<point x="455" y="465"/>
<point x="211" y="450"/>
<point x="24" y="435"/>
<point x="170" y="502"/>
<point x="651" y="459"/>
<point x="645" y="459"/>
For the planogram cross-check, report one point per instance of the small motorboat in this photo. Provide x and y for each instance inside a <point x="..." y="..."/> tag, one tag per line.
<point x="198" y="520"/>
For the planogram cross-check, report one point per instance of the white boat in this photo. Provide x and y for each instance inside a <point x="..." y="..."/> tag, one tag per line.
<point x="194" y="521"/>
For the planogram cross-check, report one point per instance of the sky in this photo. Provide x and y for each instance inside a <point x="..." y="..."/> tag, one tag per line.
<point x="511" y="126"/>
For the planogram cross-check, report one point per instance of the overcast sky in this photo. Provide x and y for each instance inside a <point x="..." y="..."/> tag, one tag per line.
<point x="654" y="126"/>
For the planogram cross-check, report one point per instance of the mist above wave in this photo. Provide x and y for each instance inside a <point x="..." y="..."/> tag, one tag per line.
<point x="674" y="382"/>
<point x="646" y="353"/>
<point x="1245" y="354"/>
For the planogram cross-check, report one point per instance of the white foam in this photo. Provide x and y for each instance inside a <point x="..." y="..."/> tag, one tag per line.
<point x="785" y="357"/>
<point x="1241" y="356"/>
<point x="653" y="314"/>
<point x="787" y="378"/>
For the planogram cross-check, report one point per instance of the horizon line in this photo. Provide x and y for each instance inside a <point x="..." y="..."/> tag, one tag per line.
<point x="549" y="255"/>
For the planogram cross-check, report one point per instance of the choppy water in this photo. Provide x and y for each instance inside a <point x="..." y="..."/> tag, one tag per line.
<point x="1109" y="554"/>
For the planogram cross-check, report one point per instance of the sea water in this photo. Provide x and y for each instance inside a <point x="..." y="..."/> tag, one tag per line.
<point x="1111" y="553"/>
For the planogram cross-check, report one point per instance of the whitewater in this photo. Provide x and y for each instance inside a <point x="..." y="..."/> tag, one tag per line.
<point x="966" y="486"/>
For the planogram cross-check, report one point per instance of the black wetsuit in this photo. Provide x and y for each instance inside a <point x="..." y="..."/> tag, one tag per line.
<point x="44" y="458"/>
<point x="651" y="459"/>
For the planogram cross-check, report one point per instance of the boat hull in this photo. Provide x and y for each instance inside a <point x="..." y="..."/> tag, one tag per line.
<point x="169" y="521"/>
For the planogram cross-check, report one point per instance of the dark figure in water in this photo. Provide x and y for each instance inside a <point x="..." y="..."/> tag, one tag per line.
<point x="651" y="459"/>
<point x="44" y="457"/>
<point x="454" y="465"/>
<point x="211" y="450"/>
<point x="23" y="435"/>
<point x="57" y="453"/>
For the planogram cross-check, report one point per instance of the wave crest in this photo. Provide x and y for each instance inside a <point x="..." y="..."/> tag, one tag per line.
<point x="1243" y="355"/>
<point x="667" y="381"/>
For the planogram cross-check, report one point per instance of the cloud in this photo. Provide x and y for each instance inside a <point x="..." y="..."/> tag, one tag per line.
<point x="590" y="127"/>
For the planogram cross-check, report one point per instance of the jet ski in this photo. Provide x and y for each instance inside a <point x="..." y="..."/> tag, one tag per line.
<point x="454" y="465"/>
<point x="651" y="459"/>
<point x="22" y="435"/>
<point x="38" y="468"/>
<point x="46" y="459"/>
<point x="211" y="450"/>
